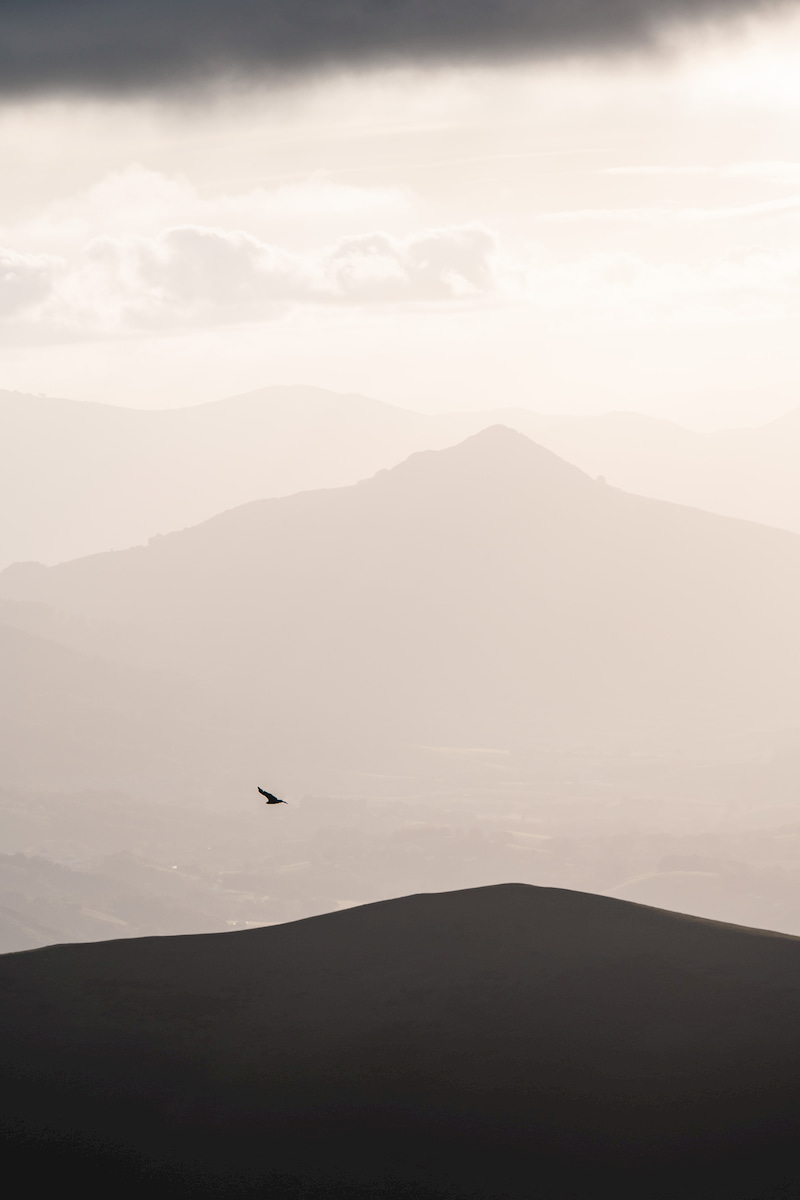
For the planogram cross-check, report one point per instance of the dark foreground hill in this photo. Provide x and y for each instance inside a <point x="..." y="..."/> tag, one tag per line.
<point x="500" y="1042"/>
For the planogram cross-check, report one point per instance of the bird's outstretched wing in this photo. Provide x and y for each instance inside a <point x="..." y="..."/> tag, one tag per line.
<point x="270" y="798"/>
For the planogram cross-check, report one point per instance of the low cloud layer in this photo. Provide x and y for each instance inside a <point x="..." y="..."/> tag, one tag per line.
<point x="141" y="254"/>
<point x="129" y="45"/>
<point x="194" y="275"/>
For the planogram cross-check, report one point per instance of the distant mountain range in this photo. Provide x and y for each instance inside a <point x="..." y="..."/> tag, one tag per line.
<point x="489" y="595"/>
<point x="80" y="478"/>
<point x="505" y="1042"/>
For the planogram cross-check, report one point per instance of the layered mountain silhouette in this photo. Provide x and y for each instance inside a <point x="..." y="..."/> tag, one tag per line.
<point x="487" y="595"/>
<point x="498" y="1042"/>
<point x="749" y="473"/>
<point x="161" y="470"/>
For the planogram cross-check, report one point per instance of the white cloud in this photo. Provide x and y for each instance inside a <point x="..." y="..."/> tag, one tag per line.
<point x="780" y="171"/>
<point x="660" y="169"/>
<point x="659" y="215"/>
<point x="198" y="275"/>
<point x="440" y="264"/>
<point x="140" y="201"/>
<point x="748" y="283"/>
<point x="775" y="172"/>
<point x="25" y="280"/>
<point x="202" y="276"/>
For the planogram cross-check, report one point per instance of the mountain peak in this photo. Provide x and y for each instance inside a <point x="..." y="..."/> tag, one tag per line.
<point x="498" y="456"/>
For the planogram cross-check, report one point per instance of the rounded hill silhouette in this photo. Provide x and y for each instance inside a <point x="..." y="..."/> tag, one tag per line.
<point x="497" y="1042"/>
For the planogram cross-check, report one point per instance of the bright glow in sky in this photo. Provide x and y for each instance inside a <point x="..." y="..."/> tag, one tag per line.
<point x="572" y="237"/>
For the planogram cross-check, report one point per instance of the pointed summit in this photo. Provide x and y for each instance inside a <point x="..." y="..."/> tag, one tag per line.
<point x="484" y="595"/>
<point x="493" y="456"/>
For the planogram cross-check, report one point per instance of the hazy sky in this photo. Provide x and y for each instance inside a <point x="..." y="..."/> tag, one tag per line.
<point x="414" y="208"/>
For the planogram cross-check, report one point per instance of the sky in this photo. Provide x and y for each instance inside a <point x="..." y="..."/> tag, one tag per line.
<point x="571" y="207"/>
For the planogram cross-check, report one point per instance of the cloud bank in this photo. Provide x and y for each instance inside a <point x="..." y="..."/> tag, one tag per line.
<point x="141" y="254"/>
<point x="202" y="278"/>
<point x="128" y="45"/>
<point x="194" y="275"/>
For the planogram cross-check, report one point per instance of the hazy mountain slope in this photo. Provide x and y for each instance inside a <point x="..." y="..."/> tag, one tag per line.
<point x="72" y="720"/>
<point x="748" y="473"/>
<point x="488" y="595"/>
<point x="496" y="1042"/>
<point x="43" y="902"/>
<point x="81" y="478"/>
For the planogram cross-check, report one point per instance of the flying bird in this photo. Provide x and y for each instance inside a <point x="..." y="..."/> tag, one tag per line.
<point x="272" y="799"/>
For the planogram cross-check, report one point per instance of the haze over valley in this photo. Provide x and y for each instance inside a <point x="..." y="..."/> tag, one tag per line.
<point x="479" y="664"/>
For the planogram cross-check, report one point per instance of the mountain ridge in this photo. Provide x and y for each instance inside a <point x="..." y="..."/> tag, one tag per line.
<point x="482" y="594"/>
<point x="57" y="456"/>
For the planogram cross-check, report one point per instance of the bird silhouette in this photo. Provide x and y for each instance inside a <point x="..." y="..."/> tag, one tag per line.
<point x="272" y="799"/>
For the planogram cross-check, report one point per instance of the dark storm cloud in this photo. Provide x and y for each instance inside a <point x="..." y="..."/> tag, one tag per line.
<point x="118" y="45"/>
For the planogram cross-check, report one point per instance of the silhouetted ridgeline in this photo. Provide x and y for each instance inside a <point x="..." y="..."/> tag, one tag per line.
<point x="488" y="595"/>
<point x="197" y="461"/>
<point x="508" y="1041"/>
<point x="57" y="456"/>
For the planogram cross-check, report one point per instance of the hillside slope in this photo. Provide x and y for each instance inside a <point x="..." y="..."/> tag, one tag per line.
<point x="492" y="1042"/>
<point x="82" y="478"/>
<point x="487" y="595"/>
<point x="73" y="719"/>
<point x="749" y="473"/>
